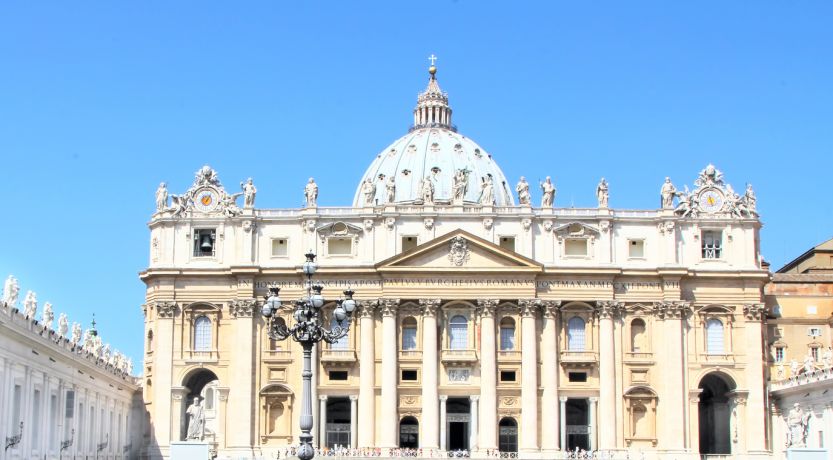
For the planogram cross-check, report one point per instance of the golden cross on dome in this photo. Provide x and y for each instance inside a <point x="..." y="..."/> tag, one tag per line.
<point x="432" y="58"/>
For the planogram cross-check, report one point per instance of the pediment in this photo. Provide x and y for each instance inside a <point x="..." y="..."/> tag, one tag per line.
<point x="459" y="251"/>
<point x="576" y="230"/>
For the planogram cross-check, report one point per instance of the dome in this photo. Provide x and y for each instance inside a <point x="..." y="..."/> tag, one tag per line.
<point x="433" y="150"/>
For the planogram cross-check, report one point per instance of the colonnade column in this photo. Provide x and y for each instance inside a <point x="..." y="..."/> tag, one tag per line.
<point x="591" y="418"/>
<point x="443" y="437"/>
<point x="354" y="412"/>
<point x="563" y="422"/>
<point x="488" y="376"/>
<point x="754" y="427"/>
<point x="164" y="312"/>
<point x="389" y="413"/>
<point x="322" y="421"/>
<point x="367" y="377"/>
<point x="473" y="445"/>
<point x="549" y="375"/>
<point x="673" y="392"/>
<point x="607" y="310"/>
<point x="241" y="368"/>
<point x="430" y="417"/>
<point x="529" y="375"/>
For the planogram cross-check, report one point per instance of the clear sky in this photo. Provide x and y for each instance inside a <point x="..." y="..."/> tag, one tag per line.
<point x="101" y="101"/>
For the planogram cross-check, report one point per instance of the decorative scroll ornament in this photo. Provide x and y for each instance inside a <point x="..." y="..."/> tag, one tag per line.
<point x="429" y="306"/>
<point x="487" y="307"/>
<point x="165" y="309"/>
<point x="754" y="311"/>
<point x="243" y="308"/>
<point x="206" y="195"/>
<point x="609" y="308"/>
<point x="459" y="251"/>
<point x="672" y="310"/>
<point x="529" y="307"/>
<point x="713" y="196"/>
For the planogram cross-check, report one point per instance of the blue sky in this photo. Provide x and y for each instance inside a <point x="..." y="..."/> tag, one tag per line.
<point x="100" y="101"/>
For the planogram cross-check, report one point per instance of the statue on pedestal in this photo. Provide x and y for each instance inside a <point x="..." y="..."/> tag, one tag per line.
<point x="487" y="191"/>
<point x="30" y="305"/>
<point x="76" y="334"/>
<point x="794" y="368"/>
<point x="797" y="424"/>
<point x="390" y="189"/>
<point x="809" y="363"/>
<point x="11" y="291"/>
<point x="602" y="193"/>
<point x="162" y="197"/>
<point x="459" y="186"/>
<point x="524" y="198"/>
<point x="548" y="189"/>
<point x="667" y="194"/>
<point x="196" y="421"/>
<point x="311" y="193"/>
<point x="426" y="187"/>
<point x="63" y="325"/>
<point x="47" y="316"/>
<point x="369" y="192"/>
<point x="249" y="192"/>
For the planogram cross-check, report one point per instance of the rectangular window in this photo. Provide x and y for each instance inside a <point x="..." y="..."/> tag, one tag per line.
<point x="712" y="244"/>
<point x="815" y="353"/>
<point x="340" y="246"/>
<point x="338" y="375"/>
<point x="409" y="338"/>
<point x="80" y="432"/>
<point x="577" y="376"/>
<point x="70" y="409"/>
<point x="508" y="376"/>
<point x="507" y="242"/>
<point x="636" y="249"/>
<point x="575" y="247"/>
<point x="279" y="247"/>
<point x="408" y="243"/>
<point x="409" y="375"/>
<point x="91" y="441"/>
<point x="204" y="242"/>
<point x="36" y="417"/>
<point x="53" y="421"/>
<point x="779" y="354"/>
<point x="507" y="338"/>
<point x="16" y="415"/>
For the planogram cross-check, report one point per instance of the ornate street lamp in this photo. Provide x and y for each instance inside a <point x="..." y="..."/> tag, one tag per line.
<point x="66" y="444"/>
<point x="308" y="330"/>
<point x="12" y="441"/>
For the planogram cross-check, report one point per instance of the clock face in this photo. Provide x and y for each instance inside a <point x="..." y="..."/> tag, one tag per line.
<point x="206" y="200"/>
<point x="711" y="200"/>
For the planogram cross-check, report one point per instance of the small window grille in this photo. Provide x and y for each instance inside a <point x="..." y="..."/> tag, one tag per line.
<point x="712" y="244"/>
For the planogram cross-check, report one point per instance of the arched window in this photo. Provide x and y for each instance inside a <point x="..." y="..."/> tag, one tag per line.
<point x="202" y="334"/>
<point x="575" y="334"/>
<point x="714" y="337"/>
<point x="458" y="333"/>
<point x="638" y="336"/>
<point x="507" y="334"/>
<point x="409" y="333"/>
<point x="640" y="421"/>
<point x="409" y="433"/>
<point x="342" y="343"/>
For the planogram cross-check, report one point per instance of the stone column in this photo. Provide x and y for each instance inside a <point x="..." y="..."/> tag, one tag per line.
<point x="563" y="422"/>
<point x="443" y="437"/>
<point x="755" y="409"/>
<point x="488" y="375"/>
<point x="367" y="376"/>
<point x="549" y="374"/>
<point x="737" y="403"/>
<point x="529" y="376"/>
<point x="673" y="392"/>
<point x="473" y="445"/>
<point x="430" y="417"/>
<point x="389" y="422"/>
<point x="322" y="421"/>
<point x="179" y="421"/>
<point x="314" y="360"/>
<point x="591" y="418"/>
<point x="607" y="310"/>
<point x="354" y="411"/>
<point x="693" y="420"/>
<point x="241" y="368"/>
<point x="222" y="413"/>
<point x="165" y="312"/>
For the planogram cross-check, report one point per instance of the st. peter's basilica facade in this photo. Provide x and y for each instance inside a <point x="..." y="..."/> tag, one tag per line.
<point x="487" y="324"/>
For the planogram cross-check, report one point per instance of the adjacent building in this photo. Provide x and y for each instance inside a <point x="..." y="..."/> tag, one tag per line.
<point x="487" y="323"/>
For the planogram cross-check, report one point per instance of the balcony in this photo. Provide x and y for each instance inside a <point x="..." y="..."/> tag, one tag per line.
<point x="277" y="356"/>
<point x="410" y="355"/>
<point x="464" y="356"/>
<point x="639" y="358"/>
<point x="338" y="357"/>
<point x="579" y="358"/>
<point x="201" y="356"/>
<point x="509" y="356"/>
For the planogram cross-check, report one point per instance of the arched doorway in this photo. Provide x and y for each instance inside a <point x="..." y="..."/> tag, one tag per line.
<point x="409" y="433"/>
<point x="338" y="422"/>
<point x="202" y="384"/>
<point x="458" y="414"/>
<point x="715" y="414"/>
<point x="508" y="435"/>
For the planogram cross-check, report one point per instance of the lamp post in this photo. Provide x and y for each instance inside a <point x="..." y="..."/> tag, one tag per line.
<point x="66" y="444"/>
<point x="308" y="330"/>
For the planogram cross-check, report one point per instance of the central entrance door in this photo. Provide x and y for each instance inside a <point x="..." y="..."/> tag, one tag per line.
<point x="459" y="417"/>
<point x="578" y="430"/>
<point x="338" y="422"/>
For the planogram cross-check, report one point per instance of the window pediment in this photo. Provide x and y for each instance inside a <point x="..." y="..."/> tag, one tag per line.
<point x="339" y="229"/>
<point x="576" y="230"/>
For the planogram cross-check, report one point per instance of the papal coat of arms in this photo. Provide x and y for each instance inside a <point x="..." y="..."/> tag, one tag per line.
<point x="459" y="251"/>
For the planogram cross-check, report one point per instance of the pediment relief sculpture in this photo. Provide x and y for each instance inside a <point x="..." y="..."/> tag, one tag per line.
<point x="339" y="229"/>
<point x="576" y="230"/>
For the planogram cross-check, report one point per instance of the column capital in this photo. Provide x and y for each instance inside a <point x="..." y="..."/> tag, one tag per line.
<point x="550" y="308"/>
<point x="179" y="393"/>
<point x="430" y="306"/>
<point x="676" y="309"/>
<point x="609" y="309"/>
<point x="322" y="397"/>
<point x="165" y="309"/>
<point x="563" y="399"/>
<point x="487" y="307"/>
<point x="388" y="307"/>
<point x="354" y="397"/>
<point x="593" y="399"/>
<point x="754" y="312"/>
<point x="474" y="398"/>
<point x="443" y="398"/>
<point x="366" y="309"/>
<point x="529" y="307"/>
<point x="243" y="308"/>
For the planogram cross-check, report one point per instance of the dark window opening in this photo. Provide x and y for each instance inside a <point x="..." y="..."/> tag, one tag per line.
<point x="338" y="375"/>
<point x="507" y="376"/>
<point x="409" y="375"/>
<point x="577" y="376"/>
